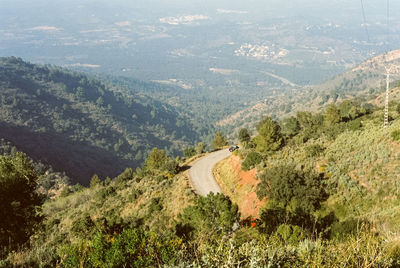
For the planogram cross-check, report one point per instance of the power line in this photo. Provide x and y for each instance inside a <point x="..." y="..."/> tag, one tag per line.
<point x="387" y="25"/>
<point x="365" y="20"/>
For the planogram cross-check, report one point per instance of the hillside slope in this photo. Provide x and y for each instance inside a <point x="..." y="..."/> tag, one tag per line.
<point x="365" y="82"/>
<point x="80" y="125"/>
<point x="327" y="197"/>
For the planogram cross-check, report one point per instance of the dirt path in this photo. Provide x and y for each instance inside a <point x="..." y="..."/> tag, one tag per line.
<point x="200" y="173"/>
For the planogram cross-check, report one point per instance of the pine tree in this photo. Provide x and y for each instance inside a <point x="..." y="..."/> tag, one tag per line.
<point x="219" y="140"/>
<point x="332" y="115"/>
<point x="269" y="136"/>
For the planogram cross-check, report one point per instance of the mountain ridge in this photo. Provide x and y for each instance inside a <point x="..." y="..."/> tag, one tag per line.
<point x="47" y="106"/>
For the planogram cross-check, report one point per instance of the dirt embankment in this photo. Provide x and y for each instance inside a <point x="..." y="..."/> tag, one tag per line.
<point x="239" y="185"/>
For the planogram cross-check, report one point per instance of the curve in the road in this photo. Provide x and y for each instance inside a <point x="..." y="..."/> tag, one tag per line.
<point x="200" y="173"/>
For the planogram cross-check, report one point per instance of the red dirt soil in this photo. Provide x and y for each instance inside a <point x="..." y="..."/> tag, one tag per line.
<point x="249" y="206"/>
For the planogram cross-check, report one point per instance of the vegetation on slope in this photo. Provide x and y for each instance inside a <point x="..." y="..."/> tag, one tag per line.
<point x="328" y="204"/>
<point x="365" y="82"/>
<point x="330" y="182"/>
<point x="80" y="125"/>
<point x="334" y="182"/>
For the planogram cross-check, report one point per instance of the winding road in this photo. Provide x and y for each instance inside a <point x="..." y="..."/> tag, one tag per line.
<point x="200" y="173"/>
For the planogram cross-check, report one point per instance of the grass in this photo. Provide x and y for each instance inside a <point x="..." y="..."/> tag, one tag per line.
<point x="228" y="179"/>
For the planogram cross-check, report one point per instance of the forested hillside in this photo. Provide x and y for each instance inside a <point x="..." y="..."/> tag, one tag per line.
<point x="329" y="183"/>
<point x="82" y="126"/>
<point x="326" y="185"/>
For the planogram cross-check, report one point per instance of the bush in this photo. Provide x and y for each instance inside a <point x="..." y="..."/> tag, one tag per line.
<point x="19" y="202"/>
<point x="82" y="225"/>
<point x="189" y="152"/>
<point x="290" y="234"/>
<point x="95" y="181"/>
<point x="252" y="159"/>
<point x="172" y="167"/>
<point x="332" y="115"/>
<point x="269" y="136"/>
<point x="209" y="217"/>
<point x="155" y="205"/>
<point x="127" y="175"/>
<point x="219" y="140"/>
<point x="341" y="230"/>
<point x="200" y="147"/>
<point x="104" y="193"/>
<point x="354" y="125"/>
<point x="314" y="150"/>
<point x="156" y="160"/>
<point x="395" y="135"/>
<point x="290" y="126"/>
<point x="289" y="186"/>
<point x="131" y="248"/>
<point x="244" y="136"/>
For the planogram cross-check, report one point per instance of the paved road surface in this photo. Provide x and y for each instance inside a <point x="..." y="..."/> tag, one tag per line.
<point x="200" y="173"/>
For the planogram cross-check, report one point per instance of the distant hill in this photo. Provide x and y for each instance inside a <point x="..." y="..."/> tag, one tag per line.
<point x="365" y="79"/>
<point x="365" y="82"/>
<point x="82" y="125"/>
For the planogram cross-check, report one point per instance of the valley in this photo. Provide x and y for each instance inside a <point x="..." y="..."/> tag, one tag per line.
<point x="116" y="118"/>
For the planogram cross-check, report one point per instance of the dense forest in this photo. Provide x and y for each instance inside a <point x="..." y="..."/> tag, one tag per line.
<point x="81" y="125"/>
<point x="330" y="183"/>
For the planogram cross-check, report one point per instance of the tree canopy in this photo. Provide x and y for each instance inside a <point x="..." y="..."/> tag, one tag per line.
<point x="18" y="200"/>
<point x="212" y="215"/>
<point x="269" y="136"/>
<point x="219" y="140"/>
<point x="156" y="159"/>
<point x="244" y="136"/>
<point x="285" y="184"/>
<point x="332" y="115"/>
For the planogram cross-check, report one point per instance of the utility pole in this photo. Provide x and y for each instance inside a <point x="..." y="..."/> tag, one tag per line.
<point x="386" y="119"/>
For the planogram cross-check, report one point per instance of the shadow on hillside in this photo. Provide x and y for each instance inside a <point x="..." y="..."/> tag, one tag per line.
<point x="79" y="160"/>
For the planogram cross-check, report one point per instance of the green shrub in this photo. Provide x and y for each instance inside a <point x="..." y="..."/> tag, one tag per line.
<point x="269" y="136"/>
<point x="131" y="248"/>
<point x="219" y="140"/>
<point x="95" y="181"/>
<point x="189" y="152"/>
<point x="341" y="230"/>
<point x="208" y="217"/>
<point x="155" y="205"/>
<point x="332" y="115"/>
<point x="287" y="185"/>
<point x="171" y="166"/>
<point x="354" y="125"/>
<point x="200" y="147"/>
<point x="395" y="135"/>
<point x="252" y="159"/>
<point x="290" y="126"/>
<point x="156" y="160"/>
<point x="82" y="225"/>
<point x="126" y="175"/>
<point x="314" y="150"/>
<point x="290" y="234"/>
<point x="104" y="193"/>
<point x="19" y="202"/>
<point x="244" y="136"/>
<point x="65" y="191"/>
